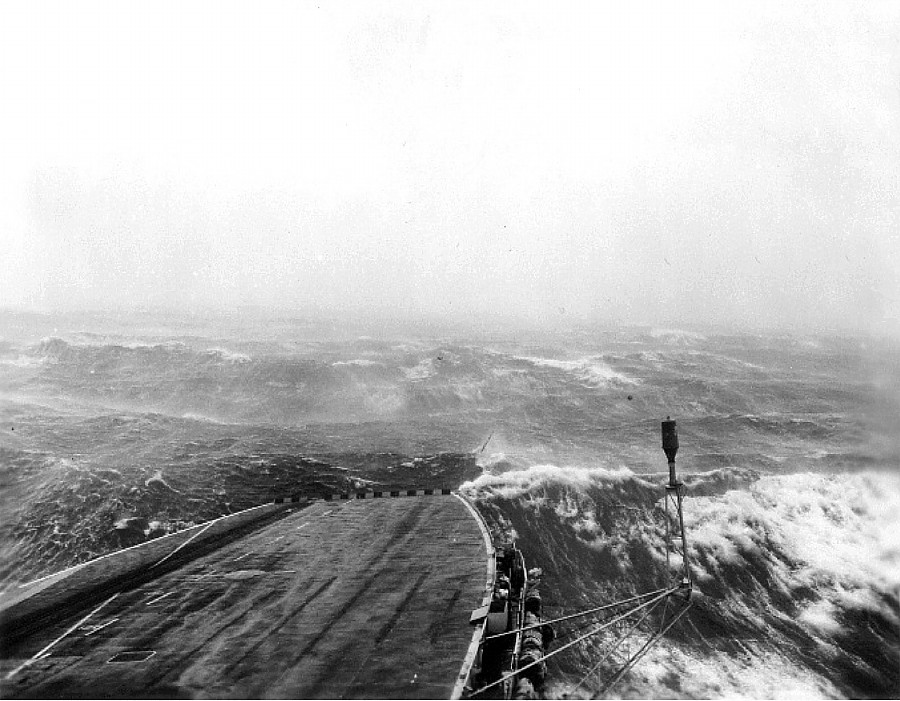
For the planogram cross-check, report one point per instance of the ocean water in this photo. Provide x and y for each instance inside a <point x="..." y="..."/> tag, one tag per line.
<point x="114" y="430"/>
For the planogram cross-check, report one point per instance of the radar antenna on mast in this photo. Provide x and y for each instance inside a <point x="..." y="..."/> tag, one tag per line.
<point x="676" y="544"/>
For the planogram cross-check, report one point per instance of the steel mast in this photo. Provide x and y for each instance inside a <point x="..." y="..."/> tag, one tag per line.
<point x="676" y="544"/>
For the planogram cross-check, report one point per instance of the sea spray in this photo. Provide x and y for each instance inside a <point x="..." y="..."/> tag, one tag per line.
<point x="801" y="569"/>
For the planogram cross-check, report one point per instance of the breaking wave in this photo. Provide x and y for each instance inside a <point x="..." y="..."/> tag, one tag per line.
<point x="677" y="337"/>
<point x="590" y="370"/>
<point x="797" y="575"/>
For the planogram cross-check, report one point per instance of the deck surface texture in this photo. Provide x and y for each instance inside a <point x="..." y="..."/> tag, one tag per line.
<point x="352" y="599"/>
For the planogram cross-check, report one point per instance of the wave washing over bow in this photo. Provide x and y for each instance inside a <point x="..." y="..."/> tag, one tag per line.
<point x="797" y="575"/>
<point x="113" y="434"/>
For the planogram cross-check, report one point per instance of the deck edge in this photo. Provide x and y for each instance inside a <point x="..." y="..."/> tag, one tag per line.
<point x="469" y="658"/>
<point x="37" y="597"/>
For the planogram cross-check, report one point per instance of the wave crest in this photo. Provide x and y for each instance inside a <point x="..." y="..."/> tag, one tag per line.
<point x="591" y="369"/>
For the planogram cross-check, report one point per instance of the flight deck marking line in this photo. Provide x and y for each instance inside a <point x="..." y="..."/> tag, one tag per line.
<point x="101" y="627"/>
<point x="115" y="553"/>
<point x="198" y="533"/>
<point x="159" y="598"/>
<point x="46" y="649"/>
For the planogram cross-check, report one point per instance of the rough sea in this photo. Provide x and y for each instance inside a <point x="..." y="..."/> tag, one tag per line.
<point x="115" y="430"/>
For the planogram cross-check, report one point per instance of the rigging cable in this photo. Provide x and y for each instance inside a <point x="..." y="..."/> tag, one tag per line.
<point x="613" y="649"/>
<point x="597" y="630"/>
<point x="643" y="651"/>
<point x="588" y="612"/>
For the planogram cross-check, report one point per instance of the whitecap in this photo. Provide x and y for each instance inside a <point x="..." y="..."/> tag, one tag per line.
<point x="227" y="356"/>
<point x="821" y="617"/>
<point x="590" y="369"/>
<point x="677" y="337"/>
<point x="25" y="361"/>
<point x="194" y="416"/>
<point x="158" y="478"/>
<point x="516" y="483"/>
<point x="422" y="371"/>
<point x="839" y="533"/>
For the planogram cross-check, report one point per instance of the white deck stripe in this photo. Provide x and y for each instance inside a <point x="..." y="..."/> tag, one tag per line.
<point x="46" y="649"/>
<point x="115" y="553"/>
<point x="159" y="598"/>
<point x="197" y="534"/>
<point x="101" y="627"/>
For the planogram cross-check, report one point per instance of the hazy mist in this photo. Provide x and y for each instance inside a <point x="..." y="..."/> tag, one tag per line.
<point x="637" y="163"/>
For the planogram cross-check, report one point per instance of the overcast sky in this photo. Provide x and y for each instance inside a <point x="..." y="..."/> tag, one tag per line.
<point x="677" y="163"/>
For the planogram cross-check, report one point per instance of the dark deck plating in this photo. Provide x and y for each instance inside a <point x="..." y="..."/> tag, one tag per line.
<point x="351" y="598"/>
